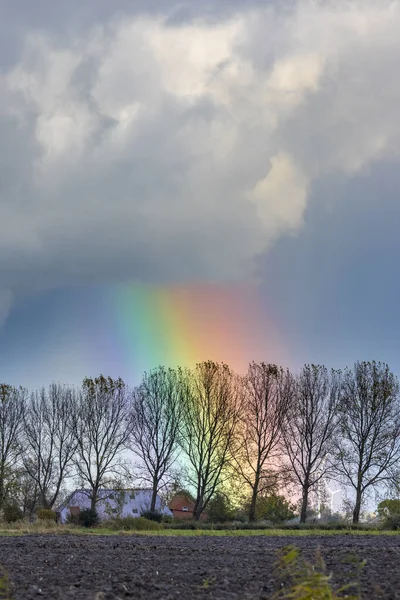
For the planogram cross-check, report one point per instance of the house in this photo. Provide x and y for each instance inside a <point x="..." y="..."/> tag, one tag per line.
<point x="111" y="504"/>
<point x="182" y="506"/>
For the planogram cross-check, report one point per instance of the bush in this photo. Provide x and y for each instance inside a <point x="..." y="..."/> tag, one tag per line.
<point x="12" y="513"/>
<point x="274" y="508"/>
<point x="45" y="514"/>
<point x="219" y="509"/>
<point x="389" y="507"/>
<point x="152" y="515"/>
<point x="88" y="518"/>
<point x="167" y="519"/>
<point x="262" y="525"/>
<point x="132" y="524"/>
<point x="392" y="522"/>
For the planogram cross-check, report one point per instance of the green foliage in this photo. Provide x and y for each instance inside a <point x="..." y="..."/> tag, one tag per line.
<point x="389" y="511"/>
<point x="219" y="509"/>
<point x="302" y="580"/>
<point x="12" y="513"/>
<point x="392" y="522"/>
<point x="167" y="519"/>
<point x="274" y="508"/>
<point x="45" y="514"/>
<point x="88" y="518"/>
<point x="389" y="507"/>
<point x="5" y="588"/>
<point x="189" y="524"/>
<point x="132" y="524"/>
<point x="152" y="515"/>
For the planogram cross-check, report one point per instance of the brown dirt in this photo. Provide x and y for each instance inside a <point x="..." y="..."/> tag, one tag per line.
<point x="150" y="567"/>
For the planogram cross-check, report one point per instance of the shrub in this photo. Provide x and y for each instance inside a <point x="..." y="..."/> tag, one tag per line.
<point x="219" y="509"/>
<point x="167" y="519"/>
<point x="389" y="507"/>
<point x="12" y="513"/>
<point x="45" y="514"/>
<point x="152" y="515"/>
<point x="88" y="517"/>
<point x="132" y="524"/>
<point x="392" y="522"/>
<point x="274" y="508"/>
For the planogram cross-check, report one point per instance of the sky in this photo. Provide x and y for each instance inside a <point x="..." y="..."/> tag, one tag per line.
<point x="190" y="180"/>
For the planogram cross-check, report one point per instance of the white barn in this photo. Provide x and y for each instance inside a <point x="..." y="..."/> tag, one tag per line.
<point x="112" y="503"/>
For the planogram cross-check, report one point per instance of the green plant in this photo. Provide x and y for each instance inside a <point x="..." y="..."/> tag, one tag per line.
<point x="274" y="508"/>
<point x="12" y="513"/>
<point x="88" y="517"/>
<point x="5" y="589"/>
<point x="132" y="524"/>
<point x="152" y="515"/>
<point x="302" y="580"/>
<point x="167" y="519"/>
<point x="392" y="522"/>
<point x="219" y="509"/>
<point x="388" y="507"/>
<point x="207" y="582"/>
<point x="45" y="514"/>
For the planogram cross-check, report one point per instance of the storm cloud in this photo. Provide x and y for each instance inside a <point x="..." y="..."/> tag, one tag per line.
<point x="179" y="143"/>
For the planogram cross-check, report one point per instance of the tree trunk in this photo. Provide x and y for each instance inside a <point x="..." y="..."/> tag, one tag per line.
<point x="2" y="490"/>
<point x="357" y="507"/>
<point x="198" y="508"/>
<point x="93" y="499"/>
<point x="153" y="496"/>
<point x="304" y="505"/>
<point x="253" y="503"/>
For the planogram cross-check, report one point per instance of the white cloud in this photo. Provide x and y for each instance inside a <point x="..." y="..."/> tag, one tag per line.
<point x="281" y="197"/>
<point x="156" y="151"/>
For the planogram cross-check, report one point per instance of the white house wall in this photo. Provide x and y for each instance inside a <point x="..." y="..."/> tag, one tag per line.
<point x="134" y="504"/>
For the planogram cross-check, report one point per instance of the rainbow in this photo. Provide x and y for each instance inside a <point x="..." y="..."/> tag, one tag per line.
<point x="183" y="325"/>
<point x="124" y="330"/>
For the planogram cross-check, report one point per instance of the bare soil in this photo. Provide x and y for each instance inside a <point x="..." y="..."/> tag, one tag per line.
<point x="150" y="567"/>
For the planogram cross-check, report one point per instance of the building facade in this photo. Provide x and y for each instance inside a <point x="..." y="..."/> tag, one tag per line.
<point x="111" y="504"/>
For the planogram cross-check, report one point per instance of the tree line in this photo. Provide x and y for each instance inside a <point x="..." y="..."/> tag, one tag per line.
<point x="207" y="427"/>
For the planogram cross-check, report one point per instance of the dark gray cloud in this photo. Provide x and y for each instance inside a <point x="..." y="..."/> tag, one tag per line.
<point x="334" y="289"/>
<point x="178" y="141"/>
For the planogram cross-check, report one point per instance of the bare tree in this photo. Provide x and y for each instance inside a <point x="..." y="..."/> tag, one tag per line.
<point x="310" y="428"/>
<point x="155" y="421"/>
<point x="211" y="416"/>
<point x="49" y="440"/>
<point x="101" y="432"/>
<point x="370" y="426"/>
<point x="12" y="406"/>
<point x="268" y="391"/>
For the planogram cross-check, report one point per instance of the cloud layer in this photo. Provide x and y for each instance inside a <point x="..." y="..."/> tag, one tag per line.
<point x="148" y="149"/>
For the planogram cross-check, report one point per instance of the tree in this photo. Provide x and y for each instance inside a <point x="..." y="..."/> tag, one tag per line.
<point x="220" y="509"/>
<point x="268" y="391"/>
<point x="155" y="421"/>
<point x="12" y="406"/>
<point x="211" y="413"/>
<point x="49" y="440"/>
<point x="101" y="432"/>
<point x="370" y="428"/>
<point x="389" y="507"/>
<point x="310" y="427"/>
<point x="274" y="507"/>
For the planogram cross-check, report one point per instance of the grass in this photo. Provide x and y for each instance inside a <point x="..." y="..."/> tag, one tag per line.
<point x="15" y="529"/>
